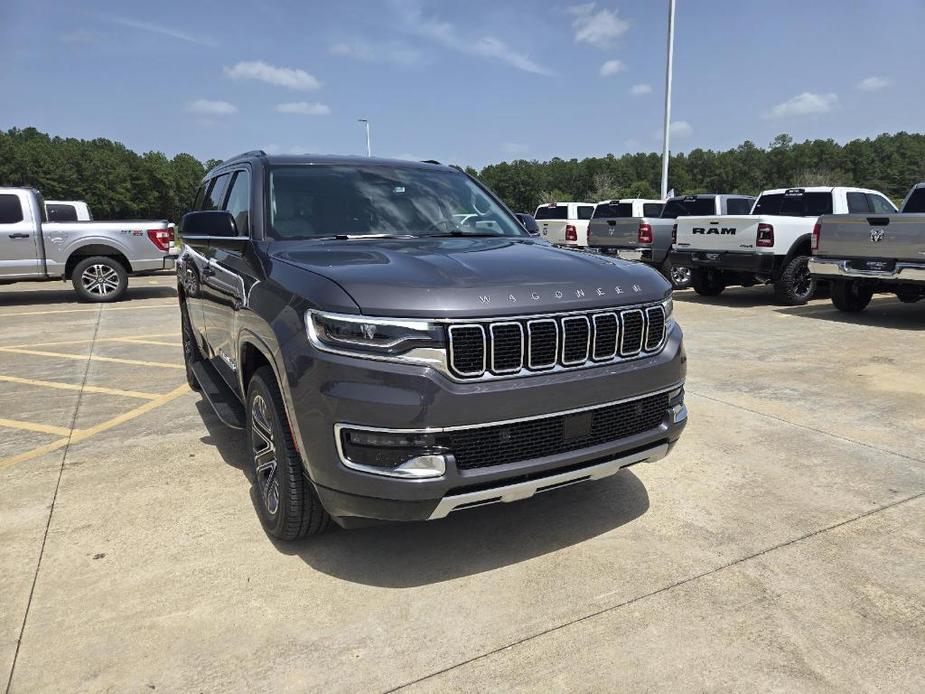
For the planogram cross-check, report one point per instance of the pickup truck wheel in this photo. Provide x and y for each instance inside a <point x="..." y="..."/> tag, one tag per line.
<point x="707" y="282"/>
<point x="678" y="275"/>
<point x="851" y="297"/>
<point x="190" y="348"/>
<point x="287" y="504"/>
<point x="795" y="286"/>
<point x="909" y="294"/>
<point x="99" y="279"/>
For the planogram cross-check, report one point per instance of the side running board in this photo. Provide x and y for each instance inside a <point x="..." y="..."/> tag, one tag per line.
<point x="223" y="400"/>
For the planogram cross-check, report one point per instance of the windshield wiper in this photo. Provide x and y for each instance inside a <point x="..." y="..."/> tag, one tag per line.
<point x="475" y="234"/>
<point x="354" y="237"/>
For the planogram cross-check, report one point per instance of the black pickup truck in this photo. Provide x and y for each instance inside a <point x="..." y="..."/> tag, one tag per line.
<point x="398" y="347"/>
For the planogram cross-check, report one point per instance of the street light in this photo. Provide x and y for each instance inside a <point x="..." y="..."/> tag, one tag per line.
<point x="667" y="99"/>
<point x="369" y="151"/>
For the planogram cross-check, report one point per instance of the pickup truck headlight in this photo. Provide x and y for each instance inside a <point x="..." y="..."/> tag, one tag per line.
<point x="367" y="336"/>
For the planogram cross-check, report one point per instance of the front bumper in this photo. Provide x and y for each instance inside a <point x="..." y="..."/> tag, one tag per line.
<point x="841" y="268"/>
<point x="731" y="261"/>
<point x="327" y="390"/>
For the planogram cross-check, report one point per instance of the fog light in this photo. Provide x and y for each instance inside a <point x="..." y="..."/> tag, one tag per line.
<point x="394" y="454"/>
<point x="679" y="412"/>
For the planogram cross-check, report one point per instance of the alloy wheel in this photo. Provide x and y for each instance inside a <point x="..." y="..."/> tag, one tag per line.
<point x="680" y="275"/>
<point x="100" y="279"/>
<point x="264" y="451"/>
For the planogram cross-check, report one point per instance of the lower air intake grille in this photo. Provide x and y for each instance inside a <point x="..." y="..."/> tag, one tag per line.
<point x="535" y="438"/>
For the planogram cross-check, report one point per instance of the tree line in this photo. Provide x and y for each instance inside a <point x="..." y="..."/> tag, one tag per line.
<point x="121" y="184"/>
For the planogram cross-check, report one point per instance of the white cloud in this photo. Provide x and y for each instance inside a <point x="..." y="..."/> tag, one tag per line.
<point x="204" y="107"/>
<point x="597" y="27"/>
<point x="303" y="108"/>
<point x="515" y="148"/>
<point x="445" y="34"/>
<point x="160" y="30"/>
<point x="640" y="89"/>
<point x="873" y="84"/>
<point x="394" y="52"/>
<point x="291" y="78"/>
<point x="805" y="104"/>
<point x="612" y="67"/>
<point x="680" y="128"/>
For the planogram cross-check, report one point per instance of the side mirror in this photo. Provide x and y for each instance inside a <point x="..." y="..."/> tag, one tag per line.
<point x="211" y="229"/>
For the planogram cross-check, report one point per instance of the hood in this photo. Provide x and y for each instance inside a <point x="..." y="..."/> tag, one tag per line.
<point x="469" y="277"/>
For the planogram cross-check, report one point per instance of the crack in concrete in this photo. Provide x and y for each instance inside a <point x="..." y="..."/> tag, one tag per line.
<point x="661" y="590"/>
<point x="54" y="499"/>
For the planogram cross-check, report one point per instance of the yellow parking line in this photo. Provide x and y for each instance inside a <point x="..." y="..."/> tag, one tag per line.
<point x="85" y="341"/>
<point x="87" y="389"/>
<point x="83" y="434"/>
<point x="29" y="426"/>
<point x="93" y="357"/>
<point x="172" y="304"/>
<point x="139" y="341"/>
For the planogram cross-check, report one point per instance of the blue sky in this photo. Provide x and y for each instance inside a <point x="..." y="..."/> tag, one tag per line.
<point x="467" y="82"/>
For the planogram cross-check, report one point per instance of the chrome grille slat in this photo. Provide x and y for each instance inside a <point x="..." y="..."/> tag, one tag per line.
<point x="483" y="348"/>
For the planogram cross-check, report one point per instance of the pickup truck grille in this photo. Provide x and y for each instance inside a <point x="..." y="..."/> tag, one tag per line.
<point x="481" y="447"/>
<point x="498" y="348"/>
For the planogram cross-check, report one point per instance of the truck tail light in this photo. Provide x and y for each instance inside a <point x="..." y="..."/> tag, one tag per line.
<point x="645" y="233"/>
<point x="161" y="238"/>
<point x="674" y="233"/>
<point x="817" y="231"/>
<point x="571" y="233"/>
<point x="765" y="236"/>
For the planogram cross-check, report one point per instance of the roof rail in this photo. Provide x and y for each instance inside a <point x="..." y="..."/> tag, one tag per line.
<point x="431" y="161"/>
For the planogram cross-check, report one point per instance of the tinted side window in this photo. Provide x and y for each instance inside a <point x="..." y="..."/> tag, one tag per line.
<point x="200" y="194"/>
<point x="239" y="201"/>
<point x="551" y="212"/>
<point x="10" y="209"/>
<point x="216" y="192"/>
<point x="61" y="213"/>
<point x="879" y="204"/>
<point x="857" y="203"/>
<point x="916" y="201"/>
<point x="738" y="205"/>
<point x="585" y="211"/>
<point x="652" y="209"/>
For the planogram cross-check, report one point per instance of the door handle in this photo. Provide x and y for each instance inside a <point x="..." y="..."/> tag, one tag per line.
<point x="208" y="272"/>
<point x="19" y="236"/>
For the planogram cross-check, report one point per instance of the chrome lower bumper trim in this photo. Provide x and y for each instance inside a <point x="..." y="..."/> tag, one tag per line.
<point x="524" y="490"/>
<point x="824" y="267"/>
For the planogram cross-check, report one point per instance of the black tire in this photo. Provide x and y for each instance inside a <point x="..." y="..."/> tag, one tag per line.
<point x="707" y="282"/>
<point x="851" y="297"/>
<point x="99" y="279"/>
<point x="795" y="286"/>
<point x="288" y="506"/>
<point x="679" y="276"/>
<point x="909" y="294"/>
<point x="191" y="352"/>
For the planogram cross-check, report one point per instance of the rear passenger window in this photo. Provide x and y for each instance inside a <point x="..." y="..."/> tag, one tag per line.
<point x="216" y="193"/>
<point x="61" y="213"/>
<point x="200" y="194"/>
<point x="652" y="209"/>
<point x="857" y="203"/>
<point x="585" y="211"/>
<point x="239" y="201"/>
<point x="879" y="204"/>
<point x="10" y="209"/>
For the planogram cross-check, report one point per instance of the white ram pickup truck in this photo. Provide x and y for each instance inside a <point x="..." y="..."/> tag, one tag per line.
<point x="772" y="245"/>
<point x="96" y="257"/>
<point x="565" y="223"/>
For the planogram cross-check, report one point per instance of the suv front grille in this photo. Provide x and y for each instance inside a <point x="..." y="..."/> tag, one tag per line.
<point x="570" y="340"/>
<point x="535" y="438"/>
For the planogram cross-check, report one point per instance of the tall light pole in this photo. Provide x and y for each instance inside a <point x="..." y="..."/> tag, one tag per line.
<point x="668" y="67"/>
<point x="369" y="151"/>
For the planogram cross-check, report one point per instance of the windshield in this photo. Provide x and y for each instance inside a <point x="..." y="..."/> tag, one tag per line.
<point x="689" y="207"/>
<point x="322" y="200"/>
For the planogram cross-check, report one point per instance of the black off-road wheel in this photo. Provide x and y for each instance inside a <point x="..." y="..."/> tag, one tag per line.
<point x="99" y="279"/>
<point x="288" y="506"/>
<point x="707" y="282"/>
<point x="851" y="297"/>
<point x="190" y="349"/>
<point x="795" y="286"/>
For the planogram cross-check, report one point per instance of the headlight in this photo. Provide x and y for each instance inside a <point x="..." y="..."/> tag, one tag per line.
<point x="668" y="307"/>
<point x="367" y="336"/>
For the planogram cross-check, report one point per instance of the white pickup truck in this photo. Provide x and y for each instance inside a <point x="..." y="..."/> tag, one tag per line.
<point x="96" y="257"/>
<point x="565" y="223"/>
<point x="772" y="245"/>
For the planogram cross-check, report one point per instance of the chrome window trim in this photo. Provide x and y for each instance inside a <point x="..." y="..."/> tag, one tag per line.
<point x="642" y="336"/>
<point x="616" y="341"/>
<point x="584" y="359"/>
<point x="661" y="341"/>
<point x="491" y="330"/>
<point x="505" y="422"/>
<point x="555" y="354"/>
<point x="457" y="326"/>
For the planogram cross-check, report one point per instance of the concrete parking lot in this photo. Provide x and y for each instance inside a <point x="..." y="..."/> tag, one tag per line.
<point x="781" y="546"/>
